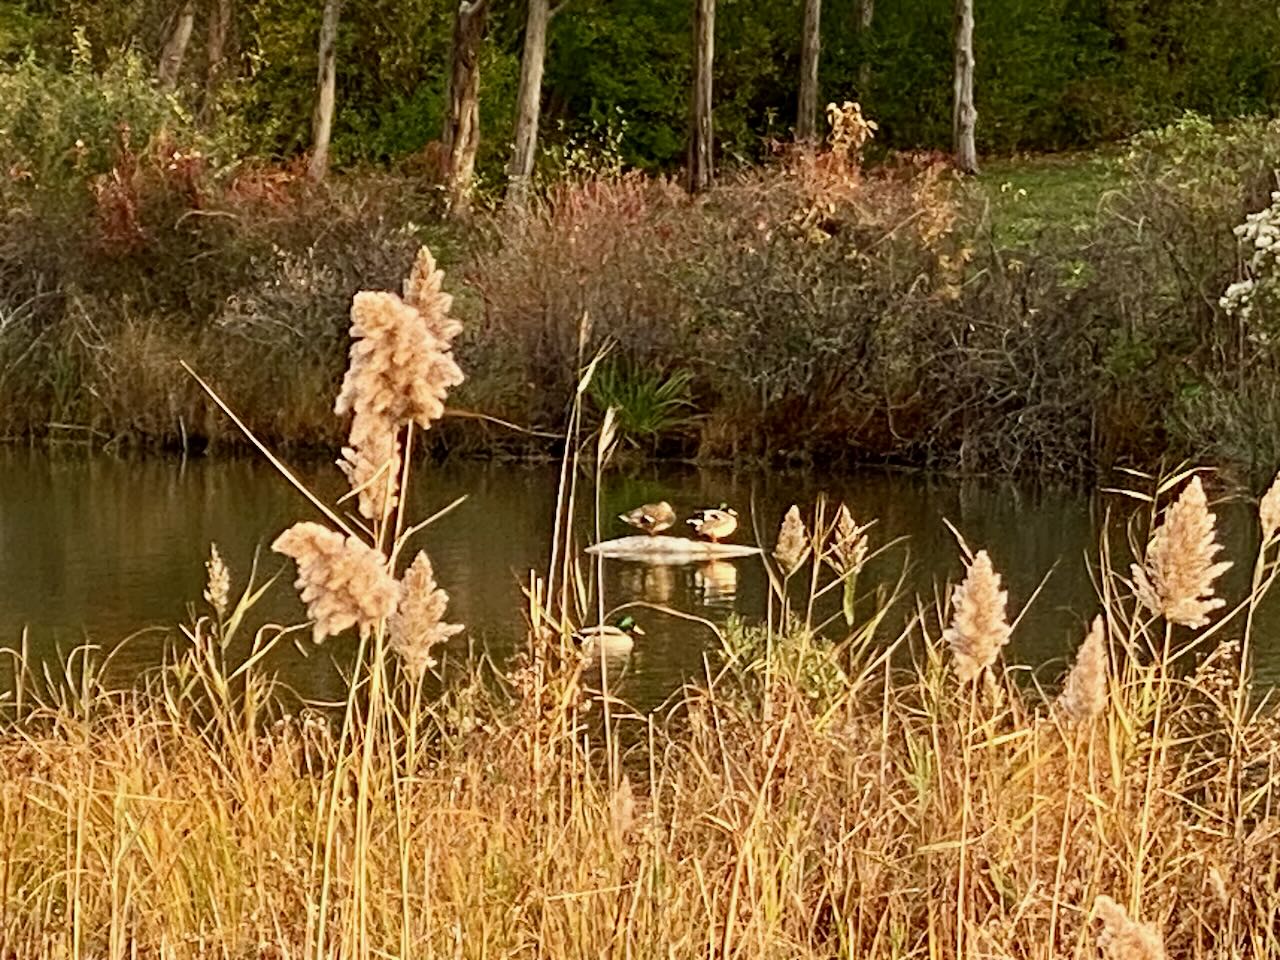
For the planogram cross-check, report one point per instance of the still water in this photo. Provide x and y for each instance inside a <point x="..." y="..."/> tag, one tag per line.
<point x="99" y="549"/>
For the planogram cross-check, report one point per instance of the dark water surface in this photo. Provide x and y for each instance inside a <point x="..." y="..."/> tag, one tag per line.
<point x="96" y="548"/>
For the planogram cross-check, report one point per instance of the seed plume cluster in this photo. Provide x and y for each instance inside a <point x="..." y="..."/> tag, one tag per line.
<point x="1176" y="578"/>
<point x="848" y="544"/>
<point x="418" y="626"/>
<point x="793" y="542"/>
<point x="1084" y="695"/>
<point x="1269" y="510"/>
<point x="979" y="628"/>
<point x="1123" y="938"/>
<point x="400" y="371"/>
<point x="218" y="589"/>
<point x="343" y="581"/>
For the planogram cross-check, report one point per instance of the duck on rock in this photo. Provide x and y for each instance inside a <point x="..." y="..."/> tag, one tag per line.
<point x="715" y="523"/>
<point x="652" y="518"/>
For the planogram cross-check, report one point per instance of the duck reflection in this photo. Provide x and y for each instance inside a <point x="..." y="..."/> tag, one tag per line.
<point x="717" y="583"/>
<point x="655" y="583"/>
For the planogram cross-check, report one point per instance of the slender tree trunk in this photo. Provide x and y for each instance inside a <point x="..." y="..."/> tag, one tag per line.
<point x="810" y="49"/>
<point x="529" y="101"/>
<point x="461" y="135"/>
<point x="175" y="46"/>
<point x="701" y="136"/>
<point x="220" y="13"/>
<point x="866" y="12"/>
<point x="326" y="89"/>
<point x="964" y="117"/>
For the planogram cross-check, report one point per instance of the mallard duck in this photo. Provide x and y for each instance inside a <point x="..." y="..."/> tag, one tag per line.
<point x="714" y="523"/>
<point x="652" y="518"/>
<point x="610" y="640"/>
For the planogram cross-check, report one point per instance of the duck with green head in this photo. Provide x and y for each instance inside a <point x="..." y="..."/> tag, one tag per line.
<point x="609" y="639"/>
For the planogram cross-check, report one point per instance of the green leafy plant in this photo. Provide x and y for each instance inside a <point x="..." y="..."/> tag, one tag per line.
<point x="649" y="403"/>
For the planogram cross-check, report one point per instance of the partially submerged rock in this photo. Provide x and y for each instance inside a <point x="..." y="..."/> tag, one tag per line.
<point x="669" y="550"/>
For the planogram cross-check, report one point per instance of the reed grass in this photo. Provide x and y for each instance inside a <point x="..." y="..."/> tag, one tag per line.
<point x="829" y="789"/>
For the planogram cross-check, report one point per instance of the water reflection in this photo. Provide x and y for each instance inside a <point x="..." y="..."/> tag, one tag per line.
<point x="99" y="548"/>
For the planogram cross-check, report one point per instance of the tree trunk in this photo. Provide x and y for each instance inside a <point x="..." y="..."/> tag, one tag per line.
<point x="326" y="86"/>
<point x="810" y="48"/>
<point x="866" y="11"/>
<point x="529" y="101"/>
<point x="175" y="46"/>
<point x="964" y="117"/>
<point x="461" y="136"/>
<point x="701" y="136"/>
<point x="216" y="45"/>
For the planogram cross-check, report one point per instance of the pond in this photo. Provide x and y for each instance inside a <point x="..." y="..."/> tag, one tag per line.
<point x="96" y="548"/>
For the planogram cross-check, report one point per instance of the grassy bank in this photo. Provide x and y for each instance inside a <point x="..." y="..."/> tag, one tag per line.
<point x="1057" y="315"/>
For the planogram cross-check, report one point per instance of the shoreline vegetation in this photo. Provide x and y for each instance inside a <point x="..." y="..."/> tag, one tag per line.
<point x="1057" y="316"/>
<point x="845" y="788"/>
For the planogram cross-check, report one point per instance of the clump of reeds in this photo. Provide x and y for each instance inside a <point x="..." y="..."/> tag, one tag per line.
<point x="1084" y="695"/>
<point x="979" y="626"/>
<point x="1176" y="577"/>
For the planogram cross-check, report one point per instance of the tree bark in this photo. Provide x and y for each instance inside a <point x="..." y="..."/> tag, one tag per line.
<point x="175" y="46"/>
<point x="326" y="89"/>
<point x="810" y="50"/>
<point x="701" y="135"/>
<point x="964" y="117"/>
<point x="220" y="12"/>
<point x="461" y="135"/>
<point x="529" y="101"/>
<point x="866" y="12"/>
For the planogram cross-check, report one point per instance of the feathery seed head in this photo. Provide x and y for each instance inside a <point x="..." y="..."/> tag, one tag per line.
<point x="218" y="588"/>
<point x="1123" y="938"/>
<point x="401" y="369"/>
<point x="343" y="581"/>
<point x="1176" y="579"/>
<point x="417" y="624"/>
<point x="372" y="468"/>
<point x="423" y="289"/>
<point x="848" y="543"/>
<point x="1269" y="510"/>
<point x="1084" y="695"/>
<point x="979" y="628"/>
<point x="793" y="542"/>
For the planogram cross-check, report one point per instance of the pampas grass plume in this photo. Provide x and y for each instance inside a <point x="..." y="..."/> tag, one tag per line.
<point x="793" y="542"/>
<point x="343" y="581"/>
<point x="218" y="589"/>
<point x="848" y="544"/>
<point x="1123" y="938"/>
<point x="418" y="624"/>
<point x="1269" y="510"/>
<point x="1084" y="695"/>
<point x="979" y="628"/>
<point x="1176" y="579"/>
